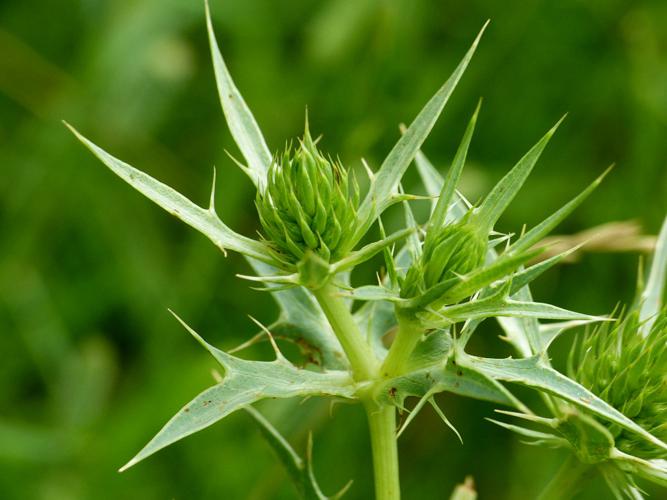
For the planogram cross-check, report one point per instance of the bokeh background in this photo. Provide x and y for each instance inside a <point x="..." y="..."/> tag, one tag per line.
<point x="92" y="365"/>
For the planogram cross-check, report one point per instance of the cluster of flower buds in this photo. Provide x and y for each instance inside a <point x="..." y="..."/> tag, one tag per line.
<point x="309" y="204"/>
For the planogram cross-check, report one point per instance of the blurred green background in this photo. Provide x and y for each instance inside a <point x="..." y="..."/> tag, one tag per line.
<point x="92" y="364"/>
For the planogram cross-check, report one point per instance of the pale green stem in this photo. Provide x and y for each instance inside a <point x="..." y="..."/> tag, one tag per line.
<point x="382" y="423"/>
<point x="364" y="364"/>
<point x="359" y="353"/>
<point x="567" y="481"/>
<point x="408" y="334"/>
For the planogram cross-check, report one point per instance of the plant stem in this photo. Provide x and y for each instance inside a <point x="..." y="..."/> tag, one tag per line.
<point x="361" y="357"/>
<point x="406" y="339"/>
<point x="382" y="423"/>
<point x="567" y="481"/>
<point x="364" y="364"/>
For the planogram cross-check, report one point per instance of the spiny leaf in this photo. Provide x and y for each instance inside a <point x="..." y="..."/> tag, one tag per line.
<point x="498" y="306"/>
<point x="453" y="175"/>
<point x="533" y="372"/>
<point x="441" y="377"/>
<point x="240" y="120"/>
<point x="543" y="228"/>
<point x="525" y="276"/>
<point x="539" y="437"/>
<point x="388" y="177"/>
<point x="245" y="383"/>
<point x="651" y="298"/>
<point x="504" y="192"/>
<point x="204" y="221"/>
<point x="551" y="331"/>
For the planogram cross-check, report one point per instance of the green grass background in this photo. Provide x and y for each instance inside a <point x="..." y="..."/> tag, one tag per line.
<point x="91" y="364"/>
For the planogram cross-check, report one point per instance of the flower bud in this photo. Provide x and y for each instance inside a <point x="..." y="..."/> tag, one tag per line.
<point x="309" y="204"/>
<point x="450" y="251"/>
<point x="630" y="373"/>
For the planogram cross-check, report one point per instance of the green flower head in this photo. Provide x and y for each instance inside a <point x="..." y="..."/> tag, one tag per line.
<point x="629" y="371"/>
<point x="309" y="204"/>
<point x="449" y="252"/>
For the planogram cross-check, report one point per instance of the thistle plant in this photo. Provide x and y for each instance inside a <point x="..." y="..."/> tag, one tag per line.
<point x="442" y="278"/>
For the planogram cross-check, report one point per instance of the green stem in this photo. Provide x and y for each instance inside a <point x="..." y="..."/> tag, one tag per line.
<point x="382" y="424"/>
<point x="567" y="481"/>
<point x="364" y="364"/>
<point x="361" y="357"/>
<point x="407" y="336"/>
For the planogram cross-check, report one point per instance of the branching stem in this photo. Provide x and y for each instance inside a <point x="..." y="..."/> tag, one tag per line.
<point x="364" y="364"/>
<point x="409" y="333"/>
<point x="359" y="353"/>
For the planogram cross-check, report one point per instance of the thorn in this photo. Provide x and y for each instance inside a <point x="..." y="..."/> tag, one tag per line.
<point x="238" y="163"/>
<point x="244" y="345"/>
<point x="279" y="355"/>
<point x="211" y="206"/>
<point x="445" y="419"/>
<point x="420" y="404"/>
<point x="367" y="168"/>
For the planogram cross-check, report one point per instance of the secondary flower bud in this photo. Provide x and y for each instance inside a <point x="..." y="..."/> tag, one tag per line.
<point x="309" y="204"/>
<point x="454" y="249"/>
<point x="629" y="372"/>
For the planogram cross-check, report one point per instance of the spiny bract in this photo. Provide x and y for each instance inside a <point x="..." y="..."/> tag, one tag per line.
<point x="309" y="204"/>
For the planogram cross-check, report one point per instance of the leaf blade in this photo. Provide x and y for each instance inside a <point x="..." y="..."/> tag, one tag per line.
<point x="240" y="119"/>
<point x="388" y="177"/>
<point x="204" y="221"/>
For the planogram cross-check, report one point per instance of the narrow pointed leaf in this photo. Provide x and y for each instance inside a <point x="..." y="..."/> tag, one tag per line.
<point x="391" y="171"/>
<point x="525" y="276"/>
<point x="475" y="281"/>
<point x="245" y="383"/>
<point x="544" y="437"/>
<point x="453" y="175"/>
<point x="486" y="308"/>
<point x="546" y="226"/>
<point x="504" y="192"/>
<point x="651" y="298"/>
<point x="240" y="120"/>
<point x="532" y="372"/>
<point x="204" y="221"/>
